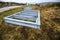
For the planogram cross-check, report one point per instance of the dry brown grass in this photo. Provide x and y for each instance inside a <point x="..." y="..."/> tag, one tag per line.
<point x="50" y="28"/>
<point x="51" y="21"/>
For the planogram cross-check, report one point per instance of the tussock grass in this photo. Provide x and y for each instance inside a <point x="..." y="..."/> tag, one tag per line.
<point x="50" y="28"/>
<point x="15" y="32"/>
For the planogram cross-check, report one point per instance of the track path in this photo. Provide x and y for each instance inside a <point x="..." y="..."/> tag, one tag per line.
<point x="8" y="8"/>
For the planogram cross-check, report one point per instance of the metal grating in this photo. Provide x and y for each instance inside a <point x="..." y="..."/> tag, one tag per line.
<point x="28" y="17"/>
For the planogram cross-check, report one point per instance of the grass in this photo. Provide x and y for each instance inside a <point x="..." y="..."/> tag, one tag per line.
<point x="14" y="32"/>
<point x="49" y="24"/>
<point x="50" y="28"/>
<point x="9" y="12"/>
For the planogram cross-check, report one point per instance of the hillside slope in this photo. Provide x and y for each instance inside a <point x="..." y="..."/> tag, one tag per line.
<point x="50" y="27"/>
